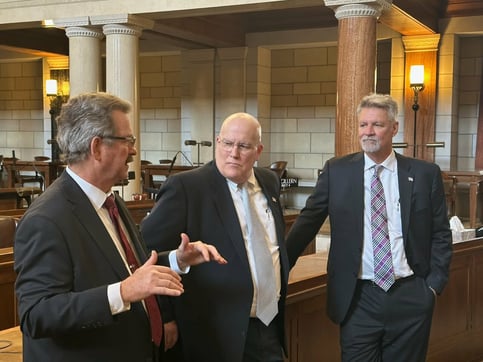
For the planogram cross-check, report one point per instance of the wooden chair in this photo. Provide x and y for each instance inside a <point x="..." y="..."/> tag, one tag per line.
<point x="280" y="168"/>
<point x="449" y="183"/>
<point x="22" y="179"/>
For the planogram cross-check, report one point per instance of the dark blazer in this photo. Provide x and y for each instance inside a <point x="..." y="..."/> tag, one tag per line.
<point x="213" y="313"/>
<point x="339" y="193"/>
<point x="65" y="260"/>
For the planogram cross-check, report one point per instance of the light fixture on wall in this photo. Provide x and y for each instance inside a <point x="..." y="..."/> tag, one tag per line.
<point x="57" y="98"/>
<point x="416" y="82"/>
<point x="201" y="143"/>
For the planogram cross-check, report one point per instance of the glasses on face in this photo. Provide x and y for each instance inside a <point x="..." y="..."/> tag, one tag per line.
<point x="242" y="147"/>
<point x="128" y="139"/>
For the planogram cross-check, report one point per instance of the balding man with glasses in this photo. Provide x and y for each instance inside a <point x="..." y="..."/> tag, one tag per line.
<point x="234" y="312"/>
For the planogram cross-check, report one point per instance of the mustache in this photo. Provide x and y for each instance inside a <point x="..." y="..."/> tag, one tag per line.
<point x="369" y="138"/>
<point x="129" y="159"/>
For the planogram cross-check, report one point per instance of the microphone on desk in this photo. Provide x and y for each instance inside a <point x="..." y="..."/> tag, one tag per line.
<point x="172" y="163"/>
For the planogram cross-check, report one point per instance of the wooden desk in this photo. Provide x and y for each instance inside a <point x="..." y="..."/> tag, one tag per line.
<point x="457" y="328"/>
<point x="473" y="179"/>
<point x="161" y="170"/>
<point x="17" y="194"/>
<point x="11" y="345"/>
<point x="49" y="170"/>
<point x="139" y="209"/>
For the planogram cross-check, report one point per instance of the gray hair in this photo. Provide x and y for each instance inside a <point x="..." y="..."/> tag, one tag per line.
<point x="381" y="101"/>
<point x="84" y="117"/>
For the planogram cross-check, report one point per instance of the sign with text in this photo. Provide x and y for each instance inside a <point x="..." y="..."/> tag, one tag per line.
<point x="288" y="182"/>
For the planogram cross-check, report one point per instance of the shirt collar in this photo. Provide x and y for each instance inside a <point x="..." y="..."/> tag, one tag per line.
<point x="95" y="195"/>
<point x="389" y="163"/>
<point x="252" y="182"/>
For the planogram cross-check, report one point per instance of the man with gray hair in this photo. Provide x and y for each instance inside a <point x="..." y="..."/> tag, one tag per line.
<point x="390" y="246"/>
<point x="86" y="283"/>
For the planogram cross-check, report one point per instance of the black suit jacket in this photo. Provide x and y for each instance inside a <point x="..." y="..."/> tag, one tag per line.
<point x="65" y="260"/>
<point x="213" y="313"/>
<point x="339" y="193"/>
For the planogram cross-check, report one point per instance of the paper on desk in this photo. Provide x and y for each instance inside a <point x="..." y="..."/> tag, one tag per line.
<point x="458" y="230"/>
<point x="456" y="224"/>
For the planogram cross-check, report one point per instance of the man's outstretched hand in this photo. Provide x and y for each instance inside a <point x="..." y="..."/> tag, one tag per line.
<point x="196" y="252"/>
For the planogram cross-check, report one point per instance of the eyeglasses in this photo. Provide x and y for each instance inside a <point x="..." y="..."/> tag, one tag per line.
<point x="242" y="147"/>
<point x="128" y="139"/>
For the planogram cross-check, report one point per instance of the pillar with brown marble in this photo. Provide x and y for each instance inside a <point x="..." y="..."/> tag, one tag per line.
<point x="356" y="65"/>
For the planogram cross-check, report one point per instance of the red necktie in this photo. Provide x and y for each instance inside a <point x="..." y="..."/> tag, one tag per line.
<point x="151" y="303"/>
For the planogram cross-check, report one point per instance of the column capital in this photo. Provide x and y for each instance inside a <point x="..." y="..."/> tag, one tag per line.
<point x="421" y="43"/>
<point x="356" y="8"/>
<point x="125" y="29"/>
<point x="84" y="32"/>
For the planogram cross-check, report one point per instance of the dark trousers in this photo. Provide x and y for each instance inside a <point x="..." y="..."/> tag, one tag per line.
<point x="388" y="326"/>
<point x="262" y="343"/>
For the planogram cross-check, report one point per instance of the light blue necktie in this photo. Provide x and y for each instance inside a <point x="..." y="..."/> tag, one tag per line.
<point x="267" y="307"/>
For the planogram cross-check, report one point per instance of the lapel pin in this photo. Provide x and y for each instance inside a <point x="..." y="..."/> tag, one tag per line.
<point x="274" y="199"/>
<point x="410" y="179"/>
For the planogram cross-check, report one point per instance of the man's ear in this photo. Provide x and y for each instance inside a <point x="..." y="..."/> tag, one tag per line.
<point x="96" y="148"/>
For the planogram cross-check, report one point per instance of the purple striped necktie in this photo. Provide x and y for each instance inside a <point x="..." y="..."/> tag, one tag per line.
<point x="383" y="268"/>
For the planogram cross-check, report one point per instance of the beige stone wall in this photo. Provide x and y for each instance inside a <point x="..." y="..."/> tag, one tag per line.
<point x="21" y="109"/>
<point x="160" y="104"/>
<point x="303" y="108"/>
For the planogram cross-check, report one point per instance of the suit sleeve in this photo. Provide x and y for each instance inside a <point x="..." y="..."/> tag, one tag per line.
<point x="45" y="285"/>
<point x="310" y="219"/>
<point x="441" y="244"/>
<point x="161" y="229"/>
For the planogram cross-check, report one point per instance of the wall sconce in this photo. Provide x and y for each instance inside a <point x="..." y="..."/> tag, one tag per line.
<point x="194" y="143"/>
<point x="416" y="82"/>
<point x="56" y="100"/>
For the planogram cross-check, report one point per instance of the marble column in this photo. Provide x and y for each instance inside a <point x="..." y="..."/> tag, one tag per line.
<point x="84" y="59"/>
<point x="122" y="76"/>
<point x="356" y="65"/>
<point x="122" y="43"/>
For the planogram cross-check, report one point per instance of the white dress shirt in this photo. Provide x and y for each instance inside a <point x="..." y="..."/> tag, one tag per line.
<point x="389" y="179"/>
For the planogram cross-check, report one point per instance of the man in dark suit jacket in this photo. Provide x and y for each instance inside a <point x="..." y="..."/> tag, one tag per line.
<point x="377" y="325"/>
<point x="78" y="298"/>
<point x="216" y="316"/>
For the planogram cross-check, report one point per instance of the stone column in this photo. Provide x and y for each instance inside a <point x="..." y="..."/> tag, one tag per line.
<point x="84" y="59"/>
<point x="122" y="76"/>
<point x="356" y="65"/>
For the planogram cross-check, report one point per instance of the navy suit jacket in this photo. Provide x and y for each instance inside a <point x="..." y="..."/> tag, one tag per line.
<point x="213" y="313"/>
<point x="339" y="194"/>
<point x="65" y="259"/>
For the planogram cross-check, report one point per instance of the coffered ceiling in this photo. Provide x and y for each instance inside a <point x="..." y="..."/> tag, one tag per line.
<point x="227" y="28"/>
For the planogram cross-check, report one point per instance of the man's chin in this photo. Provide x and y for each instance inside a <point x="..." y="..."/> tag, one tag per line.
<point x="370" y="148"/>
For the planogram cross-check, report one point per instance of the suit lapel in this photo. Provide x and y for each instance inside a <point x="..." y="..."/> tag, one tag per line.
<point x="87" y="216"/>
<point x="406" y="182"/>
<point x="227" y="212"/>
<point x="131" y="227"/>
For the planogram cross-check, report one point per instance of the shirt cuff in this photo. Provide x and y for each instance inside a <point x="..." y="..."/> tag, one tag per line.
<point x="173" y="264"/>
<point x="116" y="303"/>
